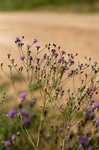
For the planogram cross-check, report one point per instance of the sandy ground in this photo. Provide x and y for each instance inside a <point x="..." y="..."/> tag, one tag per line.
<point x="76" y="32"/>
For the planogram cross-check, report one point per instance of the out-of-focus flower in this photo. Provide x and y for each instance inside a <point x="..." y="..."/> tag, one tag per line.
<point x="91" y="101"/>
<point x="95" y="106"/>
<point x="26" y="121"/>
<point x="7" y="143"/>
<point x="90" y="148"/>
<point x="97" y="122"/>
<point x="89" y="115"/>
<point x="63" y="52"/>
<point x="13" y="137"/>
<point x="12" y="113"/>
<point x="23" y="95"/>
<point x="38" y="47"/>
<point x="17" y="40"/>
<point x="24" y="112"/>
<point x="35" y="40"/>
<point x="83" y="140"/>
<point x="22" y="57"/>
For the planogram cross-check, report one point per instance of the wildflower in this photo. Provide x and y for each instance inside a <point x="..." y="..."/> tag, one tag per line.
<point x="80" y="146"/>
<point x="96" y="106"/>
<point x="45" y="56"/>
<point x="63" y="68"/>
<point x="38" y="60"/>
<point x="7" y="143"/>
<point x="91" y="101"/>
<point x="53" y="51"/>
<point x="38" y="47"/>
<point x="26" y="121"/>
<point x="71" y="62"/>
<point x="86" y="106"/>
<point x="90" y="148"/>
<point x="67" y="137"/>
<point x="35" y="41"/>
<point x="97" y="122"/>
<point x="22" y="95"/>
<point x="24" y="112"/>
<point x="63" y="52"/>
<point x="31" y="58"/>
<point x="56" y="54"/>
<point x="22" y="57"/>
<point x="61" y="60"/>
<point x="13" y="137"/>
<point x="83" y="140"/>
<point x="12" y="113"/>
<point x="17" y="40"/>
<point x="72" y="72"/>
<point x="89" y="115"/>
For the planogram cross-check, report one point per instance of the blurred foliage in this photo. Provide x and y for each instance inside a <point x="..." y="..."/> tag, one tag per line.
<point x="33" y="4"/>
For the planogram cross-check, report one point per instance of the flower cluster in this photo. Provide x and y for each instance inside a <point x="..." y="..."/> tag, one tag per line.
<point x="66" y="115"/>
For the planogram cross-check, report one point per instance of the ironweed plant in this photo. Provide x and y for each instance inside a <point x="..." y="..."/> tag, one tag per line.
<point x="64" y="113"/>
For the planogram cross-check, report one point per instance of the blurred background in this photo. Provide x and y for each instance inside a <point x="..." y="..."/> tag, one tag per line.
<point x="77" y="5"/>
<point x="73" y="24"/>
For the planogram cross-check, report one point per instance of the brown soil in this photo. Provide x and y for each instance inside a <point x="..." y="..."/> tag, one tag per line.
<point x="76" y="32"/>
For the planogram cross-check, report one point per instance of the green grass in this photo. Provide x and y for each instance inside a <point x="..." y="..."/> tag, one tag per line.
<point x="10" y="5"/>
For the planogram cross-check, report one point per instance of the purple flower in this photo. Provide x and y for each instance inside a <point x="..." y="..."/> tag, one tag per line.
<point x="61" y="60"/>
<point x="38" y="47"/>
<point x="13" y="137"/>
<point x="83" y="140"/>
<point x="56" y="54"/>
<point x="67" y="137"/>
<point x="97" y="122"/>
<point x="38" y="60"/>
<point x="22" y="57"/>
<point x="91" y="101"/>
<point x="12" y="113"/>
<point x="86" y="106"/>
<point x="90" y="115"/>
<point x="23" y="95"/>
<point x="96" y="106"/>
<point x="26" y="121"/>
<point x="63" y="52"/>
<point x="20" y="44"/>
<point x="45" y="56"/>
<point x="17" y="39"/>
<point x="80" y="146"/>
<point x="7" y="143"/>
<point x="35" y="41"/>
<point x="72" y="72"/>
<point x="31" y="58"/>
<point x="90" y="148"/>
<point x="53" y="51"/>
<point x="63" y="68"/>
<point x="71" y="62"/>
<point x="24" y="112"/>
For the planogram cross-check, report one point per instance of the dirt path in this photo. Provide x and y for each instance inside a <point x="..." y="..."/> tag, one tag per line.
<point x="78" y="33"/>
<point x="75" y="32"/>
